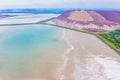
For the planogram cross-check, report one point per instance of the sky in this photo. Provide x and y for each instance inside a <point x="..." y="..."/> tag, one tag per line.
<point x="81" y="4"/>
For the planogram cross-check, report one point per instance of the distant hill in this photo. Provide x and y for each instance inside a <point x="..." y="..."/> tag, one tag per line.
<point x="34" y="11"/>
<point x="5" y="16"/>
<point x="90" y="20"/>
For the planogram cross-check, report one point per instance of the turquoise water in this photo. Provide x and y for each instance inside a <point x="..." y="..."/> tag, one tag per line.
<point x="19" y="43"/>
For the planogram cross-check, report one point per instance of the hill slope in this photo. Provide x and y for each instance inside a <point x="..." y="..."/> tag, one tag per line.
<point x="94" y="21"/>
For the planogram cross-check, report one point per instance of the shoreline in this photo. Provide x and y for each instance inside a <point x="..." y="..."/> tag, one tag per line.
<point x="87" y="32"/>
<point x="66" y="58"/>
<point x="109" y="55"/>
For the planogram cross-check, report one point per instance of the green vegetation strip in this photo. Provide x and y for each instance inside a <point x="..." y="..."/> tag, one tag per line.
<point x="112" y="39"/>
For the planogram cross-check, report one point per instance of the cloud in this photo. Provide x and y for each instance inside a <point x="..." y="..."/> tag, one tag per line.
<point x="59" y="4"/>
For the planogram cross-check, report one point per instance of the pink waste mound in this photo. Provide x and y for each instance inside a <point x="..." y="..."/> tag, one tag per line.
<point x="84" y="16"/>
<point x="100" y="20"/>
<point x="93" y="21"/>
<point x="111" y="15"/>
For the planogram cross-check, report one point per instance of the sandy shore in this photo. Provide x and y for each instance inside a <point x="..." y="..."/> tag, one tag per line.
<point x="90" y="58"/>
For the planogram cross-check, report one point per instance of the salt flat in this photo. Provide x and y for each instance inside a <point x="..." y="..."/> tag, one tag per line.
<point x="92" y="59"/>
<point x="26" y="19"/>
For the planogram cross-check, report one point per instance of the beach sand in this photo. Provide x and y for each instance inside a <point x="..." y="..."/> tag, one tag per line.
<point x="90" y="58"/>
